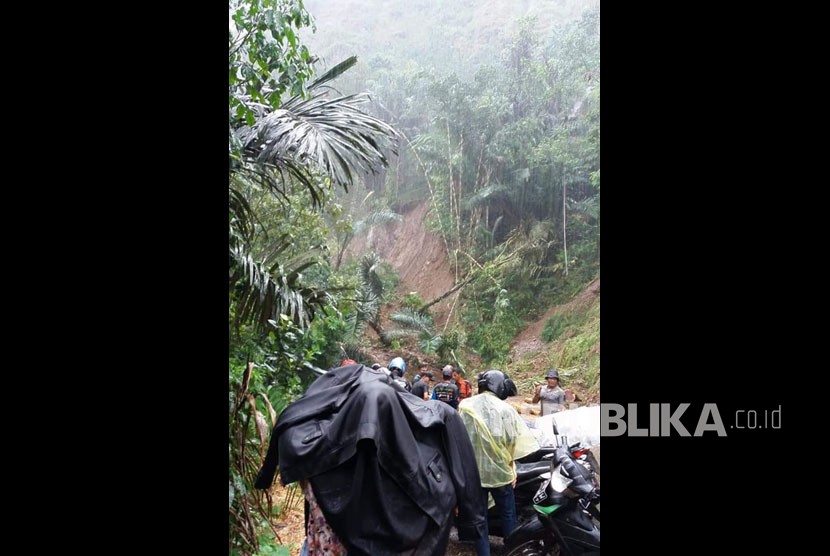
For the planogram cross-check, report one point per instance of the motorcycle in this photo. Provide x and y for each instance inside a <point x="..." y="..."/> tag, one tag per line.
<point x="566" y="520"/>
<point x="531" y="471"/>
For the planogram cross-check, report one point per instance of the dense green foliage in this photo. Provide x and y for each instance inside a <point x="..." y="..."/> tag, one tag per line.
<point x="574" y="351"/>
<point x="291" y="142"/>
<point x="499" y="118"/>
<point x="503" y="141"/>
<point x="559" y="324"/>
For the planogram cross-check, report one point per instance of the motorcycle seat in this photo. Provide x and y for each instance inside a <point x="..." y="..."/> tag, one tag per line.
<point x="531" y="470"/>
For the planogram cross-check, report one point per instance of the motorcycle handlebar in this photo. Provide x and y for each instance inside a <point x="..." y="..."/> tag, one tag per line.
<point x="581" y="483"/>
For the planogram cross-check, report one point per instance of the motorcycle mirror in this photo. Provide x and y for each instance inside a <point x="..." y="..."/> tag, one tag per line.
<point x="559" y="482"/>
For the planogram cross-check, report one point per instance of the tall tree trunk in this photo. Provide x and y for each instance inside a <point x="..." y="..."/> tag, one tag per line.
<point x="342" y="250"/>
<point x="564" y="224"/>
<point x="446" y="294"/>
<point x="376" y="327"/>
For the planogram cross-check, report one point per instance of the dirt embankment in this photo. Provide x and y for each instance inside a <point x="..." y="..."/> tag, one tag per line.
<point x="420" y="259"/>
<point x="417" y="255"/>
<point x="529" y="341"/>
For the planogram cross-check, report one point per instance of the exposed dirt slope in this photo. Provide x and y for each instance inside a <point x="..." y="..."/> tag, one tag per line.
<point x="529" y="340"/>
<point x="420" y="259"/>
<point x="417" y="255"/>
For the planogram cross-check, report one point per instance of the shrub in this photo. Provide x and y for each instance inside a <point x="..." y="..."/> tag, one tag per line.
<point x="556" y="326"/>
<point x="413" y="301"/>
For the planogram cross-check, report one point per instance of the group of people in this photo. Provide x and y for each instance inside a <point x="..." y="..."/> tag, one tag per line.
<point x="497" y="437"/>
<point x="454" y="388"/>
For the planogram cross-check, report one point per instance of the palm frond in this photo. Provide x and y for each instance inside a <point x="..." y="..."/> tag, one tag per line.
<point x="367" y="306"/>
<point x="589" y="207"/>
<point x="532" y="243"/>
<point x="381" y="216"/>
<point x="276" y="173"/>
<point x="430" y="344"/>
<point x="302" y="143"/>
<point x="420" y="141"/>
<point x="330" y="134"/>
<point x="355" y="325"/>
<point x="333" y="73"/>
<point x="412" y="324"/>
<point x="377" y="217"/>
<point x="369" y="277"/>
<point x="262" y="295"/>
<point x="486" y="194"/>
<point x="390" y="335"/>
<point x="240" y="215"/>
<point x="413" y="320"/>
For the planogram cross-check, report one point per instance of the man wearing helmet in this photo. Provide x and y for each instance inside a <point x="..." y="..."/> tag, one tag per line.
<point x="551" y="395"/>
<point x="397" y="368"/>
<point x="499" y="437"/>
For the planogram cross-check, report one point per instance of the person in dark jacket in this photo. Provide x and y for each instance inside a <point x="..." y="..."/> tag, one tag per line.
<point x="421" y="387"/>
<point x="386" y="468"/>
<point x="447" y="390"/>
<point x="397" y="368"/>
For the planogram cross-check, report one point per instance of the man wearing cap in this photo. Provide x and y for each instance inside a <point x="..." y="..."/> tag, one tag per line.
<point x="551" y="395"/>
<point x="421" y="386"/>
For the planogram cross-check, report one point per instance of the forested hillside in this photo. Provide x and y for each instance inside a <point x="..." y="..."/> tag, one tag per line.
<point x="500" y="136"/>
<point x="414" y="178"/>
<point x="444" y="36"/>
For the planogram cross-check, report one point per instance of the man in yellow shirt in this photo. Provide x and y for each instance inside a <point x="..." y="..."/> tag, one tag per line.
<point x="499" y="437"/>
